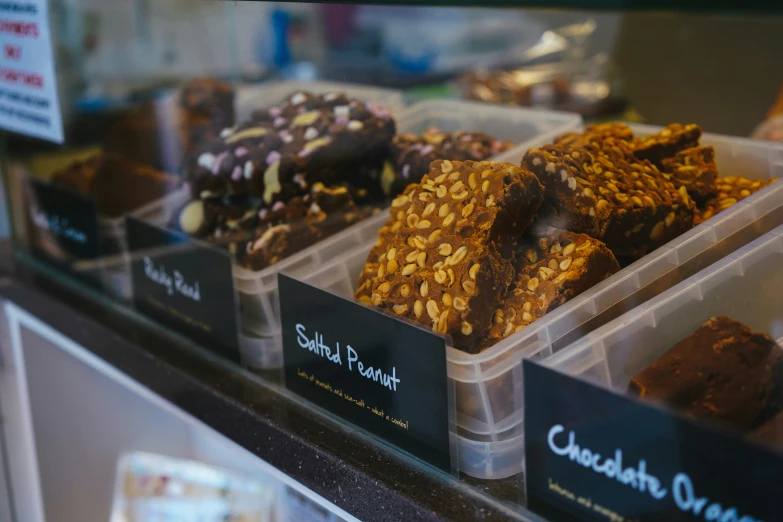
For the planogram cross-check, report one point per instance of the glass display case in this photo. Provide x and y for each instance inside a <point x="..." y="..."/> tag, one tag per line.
<point x="388" y="224"/>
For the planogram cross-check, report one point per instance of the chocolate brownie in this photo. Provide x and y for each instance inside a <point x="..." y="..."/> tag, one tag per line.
<point x="303" y="221"/>
<point x="282" y="151"/>
<point x="550" y="270"/>
<point x="219" y="219"/>
<point x="260" y="236"/>
<point x="149" y="135"/>
<point x="78" y="175"/>
<point x="448" y="243"/>
<point x="730" y="190"/>
<point x="412" y="154"/>
<point x="121" y="186"/>
<point x="207" y="108"/>
<point x="695" y="169"/>
<point x="210" y="98"/>
<point x="722" y="372"/>
<point x="609" y="195"/>
<point x="665" y="144"/>
<point x="117" y="185"/>
<point x="159" y="133"/>
<point x="376" y="257"/>
<point x="596" y="133"/>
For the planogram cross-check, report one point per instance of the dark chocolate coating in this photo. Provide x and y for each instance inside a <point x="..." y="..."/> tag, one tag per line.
<point x="300" y="223"/>
<point x="260" y="236"/>
<point x="412" y="154"/>
<point x="280" y="152"/>
<point x="722" y="372"/>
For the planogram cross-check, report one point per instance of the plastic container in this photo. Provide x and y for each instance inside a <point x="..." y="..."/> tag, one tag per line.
<point x="525" y="128"/>
<point x="260" y="336"/>
<point x="155" y="487"/>
<point x="261" y="352"/>
<point x="261" y="96"/>
<point x="489" y="384"/>
<point x="115" y="267"/>
<point x="259" y="308"/>
<point x="744" y="286"/>
<point x="159" y="212"/>
<point x="257" y="291"/>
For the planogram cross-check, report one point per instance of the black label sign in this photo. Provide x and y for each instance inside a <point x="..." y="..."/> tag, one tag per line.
<point x="63" y="224"/>
<point x="378" y="372"/>
<point x="184" y="284"/>
<point x="592" y="454"/>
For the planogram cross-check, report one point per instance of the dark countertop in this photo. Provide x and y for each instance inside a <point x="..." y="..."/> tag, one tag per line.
<point x="343" y="465"/>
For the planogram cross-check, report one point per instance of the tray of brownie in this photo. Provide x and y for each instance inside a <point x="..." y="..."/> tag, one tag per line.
<point x="118" y="186"/>
<point x="462" y="130"/>
<point x="708" y="348"/>
<point x="300" y="169"/>
<point x="611" y="231"/>
<point x="297" y="161"/>
<point x="136" y="170"/>
<point x="425" y="132"/>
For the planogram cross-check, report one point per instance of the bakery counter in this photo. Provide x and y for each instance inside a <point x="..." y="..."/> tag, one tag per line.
<point x="342" y="465"/>
<point x="594" y="252"/>
<point x="280" y="176"/>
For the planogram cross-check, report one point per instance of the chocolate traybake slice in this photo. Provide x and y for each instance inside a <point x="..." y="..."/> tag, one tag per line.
<point x="443" y="258"/>
<point x="721" y="372"/>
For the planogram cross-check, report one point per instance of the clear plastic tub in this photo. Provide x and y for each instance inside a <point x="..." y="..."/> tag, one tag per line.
<point x="525" y="128"/>
<point x="261" y="96"/>
<point x="489" y="385"/>
<point x="264" y="353"/>
<point x="259" y="308"/>
<point x="115" y="267"/>
<point x="159" y="212"/>
<point x="258" y="299"/>
<point x="744" y="286"/>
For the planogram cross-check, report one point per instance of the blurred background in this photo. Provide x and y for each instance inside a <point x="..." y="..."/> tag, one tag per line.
<point x="722" y="71"/>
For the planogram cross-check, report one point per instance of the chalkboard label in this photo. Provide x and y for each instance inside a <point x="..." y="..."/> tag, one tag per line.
<point x="185" y="284"/>
<point x="593" y="454"/>
<point x="63" y="227"/>
<point x="378" y="372"/>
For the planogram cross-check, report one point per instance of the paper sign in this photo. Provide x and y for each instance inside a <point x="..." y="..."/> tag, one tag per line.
<point x="28" y="85"/>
